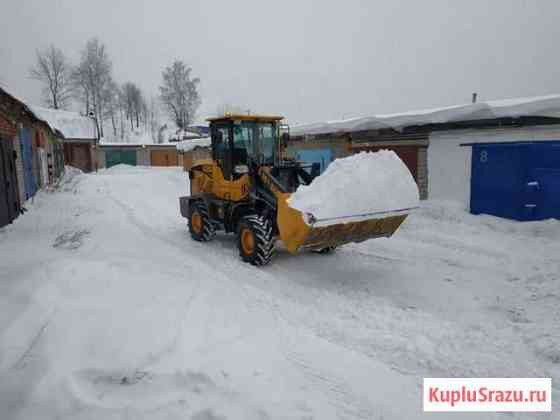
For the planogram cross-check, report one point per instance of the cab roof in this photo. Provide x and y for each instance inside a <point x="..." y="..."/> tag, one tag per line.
<point x="246" y="117"/>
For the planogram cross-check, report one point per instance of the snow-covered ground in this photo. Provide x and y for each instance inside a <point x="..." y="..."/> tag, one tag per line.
<point x="110" y="311"/>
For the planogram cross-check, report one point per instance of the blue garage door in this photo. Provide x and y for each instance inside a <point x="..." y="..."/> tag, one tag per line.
<point x="321" y="156"/>
<point x="518" y="181"/>
<point x="26" y="140"/>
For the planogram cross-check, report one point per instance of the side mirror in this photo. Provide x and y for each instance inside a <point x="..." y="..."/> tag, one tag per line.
<point x="285" y="139"/>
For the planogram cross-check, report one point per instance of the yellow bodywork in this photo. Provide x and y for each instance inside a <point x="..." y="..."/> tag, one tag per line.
<point x="209" y="178"/>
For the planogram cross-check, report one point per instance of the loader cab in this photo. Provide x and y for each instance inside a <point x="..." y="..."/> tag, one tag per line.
<point x="241" y="140"/>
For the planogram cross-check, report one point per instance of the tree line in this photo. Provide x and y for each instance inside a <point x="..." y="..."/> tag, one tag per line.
<point x="114" y="106"/>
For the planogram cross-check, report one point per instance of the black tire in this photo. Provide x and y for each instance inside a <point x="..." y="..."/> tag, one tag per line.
<point x="263" y="239"/>
<point x="326" y="250"/>
<point x="203" y="230"/>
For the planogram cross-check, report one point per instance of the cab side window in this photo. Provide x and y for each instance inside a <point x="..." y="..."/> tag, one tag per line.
<point x="221" y="140"/>
<point x="243" y="143"/>
<point x="267" y="141"/>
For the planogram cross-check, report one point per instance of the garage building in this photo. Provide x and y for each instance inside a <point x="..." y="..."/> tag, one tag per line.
<point x="80" y="136"/>
<point x="163" y="155"/>
<point x="442" y="149"/>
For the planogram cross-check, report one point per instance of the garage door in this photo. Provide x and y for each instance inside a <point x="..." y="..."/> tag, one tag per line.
<point x="118" y="157"/>
<point x="78" y="156"/>
<point x="165" y="158"/>
<point x="8" y="185"/>
<point x="518" y="181"/>
<point x="27" y="159"/>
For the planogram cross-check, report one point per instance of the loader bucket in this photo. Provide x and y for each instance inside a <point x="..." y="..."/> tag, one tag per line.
<point x="298" y="235"/>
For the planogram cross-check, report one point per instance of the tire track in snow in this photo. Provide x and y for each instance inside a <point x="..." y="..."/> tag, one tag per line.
<point x="22" y="360"/>
<point x="340" y="395"/>
<point x="148" y="230"/>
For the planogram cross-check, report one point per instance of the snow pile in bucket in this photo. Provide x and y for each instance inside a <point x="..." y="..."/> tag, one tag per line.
<point x="357" y="185"/>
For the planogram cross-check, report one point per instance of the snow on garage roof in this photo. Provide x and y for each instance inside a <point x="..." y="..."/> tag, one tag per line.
<point x="71" y="124"/>
<point x="542" y="106"/>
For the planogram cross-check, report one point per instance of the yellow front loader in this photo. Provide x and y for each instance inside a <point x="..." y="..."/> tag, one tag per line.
<point x="244" y="189"/>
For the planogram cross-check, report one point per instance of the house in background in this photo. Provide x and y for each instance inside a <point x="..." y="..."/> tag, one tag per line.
<point x="459" y="152"/>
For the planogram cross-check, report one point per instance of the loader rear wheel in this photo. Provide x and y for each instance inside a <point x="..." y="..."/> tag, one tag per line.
<point x="200" y="225"/>
<point x="255" y="240"/>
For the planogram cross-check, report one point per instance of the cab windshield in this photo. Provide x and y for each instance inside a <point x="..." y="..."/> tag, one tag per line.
<point x="257" y="139"/>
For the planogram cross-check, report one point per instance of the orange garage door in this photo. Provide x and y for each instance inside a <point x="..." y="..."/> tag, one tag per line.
<point x="165" y="158"/>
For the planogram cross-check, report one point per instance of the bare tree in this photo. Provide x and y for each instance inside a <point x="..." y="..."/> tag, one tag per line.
<point x="122" y="111"/>
<point x="110" y="99"/>
<point x="82" y="92"/>
<point x="179" y="93"/>
<point x="135" y="106"/>
<point x="93" y="76"/>
<point x="128" y="100"/>
<point x="154" y="116"/>
<point x="53" y="70"/>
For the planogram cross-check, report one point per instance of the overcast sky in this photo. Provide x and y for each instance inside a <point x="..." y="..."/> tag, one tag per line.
<point x="308" y="60"/>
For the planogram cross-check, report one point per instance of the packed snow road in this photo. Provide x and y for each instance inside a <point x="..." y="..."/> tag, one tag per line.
<point x="110" y="311"/>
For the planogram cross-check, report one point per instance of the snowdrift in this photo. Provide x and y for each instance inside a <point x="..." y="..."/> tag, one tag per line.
<point x="357" y="185"/>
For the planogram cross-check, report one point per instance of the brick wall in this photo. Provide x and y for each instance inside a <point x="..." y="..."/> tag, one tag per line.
<point x="143" y="157"/>
<point x="19" y="170"/>
<point x="100" y="159"/>
<point x="422" y="172"/>
<point x="93" y="157"/>
<point x="7" y="129"/>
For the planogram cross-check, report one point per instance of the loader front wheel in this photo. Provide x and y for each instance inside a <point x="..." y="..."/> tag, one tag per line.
<point x="200" y="225"/>
<point x="255" y="240"/>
